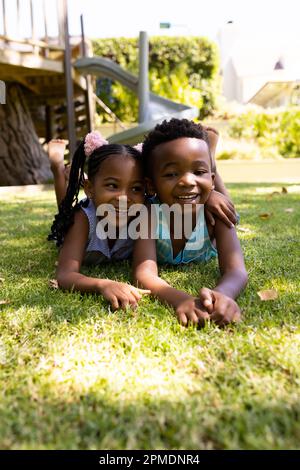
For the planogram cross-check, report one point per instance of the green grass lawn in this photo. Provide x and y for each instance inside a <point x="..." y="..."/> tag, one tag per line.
<point x="75" y="375"/>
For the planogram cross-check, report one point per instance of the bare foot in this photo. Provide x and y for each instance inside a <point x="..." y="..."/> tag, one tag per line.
<point x="56" y="151"/>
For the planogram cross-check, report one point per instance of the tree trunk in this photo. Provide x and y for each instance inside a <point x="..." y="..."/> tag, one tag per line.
<point x="22" y="158"/>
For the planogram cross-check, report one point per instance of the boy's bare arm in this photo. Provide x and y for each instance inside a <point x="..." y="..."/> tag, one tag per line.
<point x="220" y="186"/>
<point x="220" y="301"/>
<point x="234" y="276"/>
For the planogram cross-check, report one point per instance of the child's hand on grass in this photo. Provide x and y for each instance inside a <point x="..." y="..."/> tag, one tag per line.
<point x="121" y="295"/>
<point x="222" y="309"/>
<point x="220" y="206"/>
<point x="190" y="311"/>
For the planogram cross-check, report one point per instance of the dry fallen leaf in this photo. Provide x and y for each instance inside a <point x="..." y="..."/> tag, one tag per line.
<point x="284" y="190"/>
<point x="53" y="284"/>
<point x="289" y="210"/>
<point x="265" y="215"/>
<point x="244" y="229"/>
<point x="4" y="302"/>
<point x="56" y="263"/>
<point x="2" y="279"/>
<point x="270" y="294"/>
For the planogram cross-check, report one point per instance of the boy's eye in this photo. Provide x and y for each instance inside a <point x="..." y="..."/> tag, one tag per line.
<point x="111" y="185"/>
<point x="170" y="174"/>
<point x="200" y="172"/>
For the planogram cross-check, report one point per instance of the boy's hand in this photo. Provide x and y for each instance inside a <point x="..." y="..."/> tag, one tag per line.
<point x="190" y="311"/>
<point x="121" y="295"/>
<point x="222" y="309"/>
<point x="220" y="206"/>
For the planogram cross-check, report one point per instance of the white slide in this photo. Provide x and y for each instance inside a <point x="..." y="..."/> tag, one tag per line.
<point x="159" y="108"/>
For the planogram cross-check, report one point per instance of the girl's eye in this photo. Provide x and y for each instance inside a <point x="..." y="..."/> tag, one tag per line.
<point x="170" y="175"/>
<point x="111" y="186"/>
<point x="137" y="189"/>
<point x="200" y="172"/>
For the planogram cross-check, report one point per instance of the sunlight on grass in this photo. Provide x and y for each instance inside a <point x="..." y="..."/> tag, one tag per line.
<point x="74" y="375"/>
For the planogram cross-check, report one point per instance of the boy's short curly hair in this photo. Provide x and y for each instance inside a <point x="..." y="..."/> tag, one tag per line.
<point x="171" y="130"/>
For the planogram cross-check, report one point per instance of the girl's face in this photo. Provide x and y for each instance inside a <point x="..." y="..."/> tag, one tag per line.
<point x="181" y="172"/>
<point x="119" y="182"/>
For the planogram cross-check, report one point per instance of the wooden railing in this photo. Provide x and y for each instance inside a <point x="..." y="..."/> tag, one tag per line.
<point x="40" y="43"/>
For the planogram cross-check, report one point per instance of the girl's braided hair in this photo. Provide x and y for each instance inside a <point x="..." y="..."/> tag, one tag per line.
<point x="171" y="130"/>
<point x="65" y="217"/>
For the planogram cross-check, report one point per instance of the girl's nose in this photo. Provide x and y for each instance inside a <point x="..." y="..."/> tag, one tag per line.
<point x="123" y="199"/>
<point x="188" y="179"/>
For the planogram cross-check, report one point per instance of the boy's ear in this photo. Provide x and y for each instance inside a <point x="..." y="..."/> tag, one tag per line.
<point x="88" y="188"/>
<point x="150" y="190"/>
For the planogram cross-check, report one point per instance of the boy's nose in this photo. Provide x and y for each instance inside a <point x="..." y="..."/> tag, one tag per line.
<point x="188" y="179"/>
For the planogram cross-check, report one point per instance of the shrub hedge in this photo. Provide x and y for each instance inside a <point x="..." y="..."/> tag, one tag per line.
<point x="280" y="129"/>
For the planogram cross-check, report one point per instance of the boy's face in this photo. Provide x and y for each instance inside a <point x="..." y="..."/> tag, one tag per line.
<point x="181" y="172"/>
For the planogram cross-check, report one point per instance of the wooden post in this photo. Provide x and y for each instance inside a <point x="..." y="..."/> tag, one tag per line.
<point x="18" y="18"/>
<point x="49" y="123"/>
<point x="33" y="33"/>
<point x="69" y="83"/>
<point x="4" y="19"/>
<point x="88" y="81"/>
<point x="45" y="27"/>
<point x="60" y="22"/>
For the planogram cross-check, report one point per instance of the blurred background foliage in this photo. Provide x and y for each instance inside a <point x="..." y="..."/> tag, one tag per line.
<point x="184" y="69"/>
<point x="274" y="128"/>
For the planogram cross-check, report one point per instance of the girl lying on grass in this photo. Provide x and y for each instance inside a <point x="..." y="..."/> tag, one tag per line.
<point x="114" y="172"/>
<point x="180" y="171"/>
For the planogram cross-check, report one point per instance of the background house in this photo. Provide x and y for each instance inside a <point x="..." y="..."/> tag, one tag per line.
<point x="258" y="70"/>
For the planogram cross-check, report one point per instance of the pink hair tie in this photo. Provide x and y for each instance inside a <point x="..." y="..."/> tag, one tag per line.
<point x="93" y="141"/>
<point x="138" y="147"/>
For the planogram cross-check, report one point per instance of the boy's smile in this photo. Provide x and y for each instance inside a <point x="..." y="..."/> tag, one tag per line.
<point x="181" y="172"/>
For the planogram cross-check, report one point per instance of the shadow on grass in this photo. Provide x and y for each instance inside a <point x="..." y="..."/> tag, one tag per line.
<point x="94" y="421"/>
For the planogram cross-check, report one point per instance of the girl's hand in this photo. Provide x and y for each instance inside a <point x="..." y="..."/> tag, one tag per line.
<point x="190" y="311"/>
<point x="120" y="294"/>
<point x="222" y="309"/>
<point x="220" y="206"/>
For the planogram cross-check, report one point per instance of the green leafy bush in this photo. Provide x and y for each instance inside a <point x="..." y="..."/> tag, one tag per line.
<point x="182" y="69"/>
<point x="280" y="129"/>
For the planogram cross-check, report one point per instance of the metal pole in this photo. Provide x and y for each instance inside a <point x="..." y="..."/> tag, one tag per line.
<point x="143" y="86"/>
<point x="69" y="83"/>
<point x="88" y="94"/>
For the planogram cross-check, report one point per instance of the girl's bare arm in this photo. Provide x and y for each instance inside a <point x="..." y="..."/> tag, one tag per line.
<point x="71" y="256"/>
<point x="119" y="294"/>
